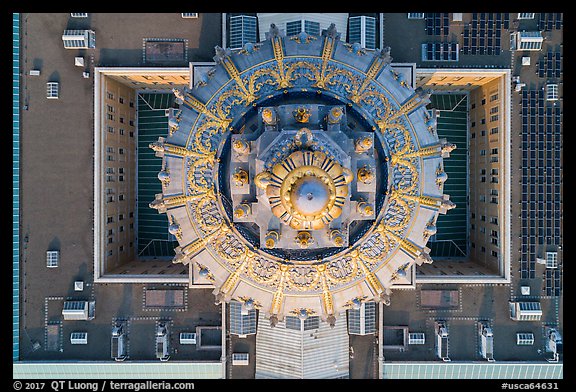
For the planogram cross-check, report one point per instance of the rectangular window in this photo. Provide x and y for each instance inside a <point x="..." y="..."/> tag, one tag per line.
<point x="120" y="217"/>
<point x="110" y="198"/>
<point x="121" y="178"/>
<point x="494" y="253"/>
<point x="472" y="215"/>
<point x="416" y="15"/>
<point x="362" y="30"/>
<point x="110" y="129"/>
<point x="294" y="27"/>
<point x="110" y="240"/>
<point x="482" y="198"/>
<point x="120" y="197"/>
<point x="482" y="133"/>
<point x="121" y="170"/>
<point x="131" y="134"/>
<point x="110" y="116"/>
<point x="483" y="218"/>
<point x="494" y="117"/>
<point x="52" y="90"/>
<point x="524" y="339"/>
<point x="494" y="220"/>
<point x="494" y="110"/>
<point x="494" y="97"/>
<point x="122" y="120"/>
<point x="131" y="104"/>
<point x="131" y="215"/>
<point x="494" y="131"/>
<point x="242" y="31"/>
<point x="483" y="100"/>
<point x="132" y="123"/>
<point x="121" y="229"/>
<point x="312" y="28"/>
<point x="121" y="248"/>
<point x="482" y="152"/>
<point x="494" y="180"/>
<point x="110" y="108"/>
<point x="110" y="149"/>
<point x="109" y="170"/>
<point x="109" y="178"/>
<point x="121" y="151"/>
<point x="120" y="100"/>
<point x="110" y="95"/>
<point x="110" y="219"/>
<point x="110" y="253"/>
<point x="483" y="121"/>
<point x="494" y="151"/>
<point x="473" y="124"/>
<point x="473" y="136"/>
<point x="483" y="249"/>
<point x="526" y="15"/>
<point x="483" y="179"/>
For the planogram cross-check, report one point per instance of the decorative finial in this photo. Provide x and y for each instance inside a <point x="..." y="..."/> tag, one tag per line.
<point x="221" y="54"/>
<point x="273" y="320"/>
<point x="331" y="32"/>
<point x="269" y="116"/>
<point x="301" y="115"/>
<point x="274" y="31"/>
<point x="179" y="95"/>
<point x="384" y="55"/>
<point x="365" y="175"/>
<point x="331" y="320"/>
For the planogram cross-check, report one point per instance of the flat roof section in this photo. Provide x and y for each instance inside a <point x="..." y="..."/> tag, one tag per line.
<point x="152" y="230"/>
<point x="452" y="124"/>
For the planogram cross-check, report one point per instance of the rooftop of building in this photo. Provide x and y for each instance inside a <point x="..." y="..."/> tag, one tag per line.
<point x="46" y="224"/>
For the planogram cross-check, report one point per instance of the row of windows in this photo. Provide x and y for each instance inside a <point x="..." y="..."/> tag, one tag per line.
<point x="120" y="249"/>
<point x="493" y="180"/>
<point x="493" y="199"/>
<point x="120" y="229"/>
<point x="111" y="198"/>
<point x="493" y="131"/>
<point x="111" y="129"/>
<point x="110" y="150"/>
<point x="110" y="178"/>
<point x="493" y="219"/>
<point x="483" y="250"/>
<point x="121" y="100"/>
<point x="111" y="117"/>
<point x="110" y="219"/>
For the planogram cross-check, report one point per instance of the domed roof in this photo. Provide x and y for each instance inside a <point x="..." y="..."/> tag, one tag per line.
<point x="310" y="196"/>
<point x="290" y="70"/>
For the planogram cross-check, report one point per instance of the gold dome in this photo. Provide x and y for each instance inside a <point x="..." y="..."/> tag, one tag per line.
<point x="307" y="190"/>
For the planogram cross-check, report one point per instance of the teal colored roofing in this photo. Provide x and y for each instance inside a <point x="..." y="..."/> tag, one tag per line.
<point x="153" y="236"/>
<point x="117" y="370"/>
<point x="15" y="185"/>
<point x="451" y="237"/>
